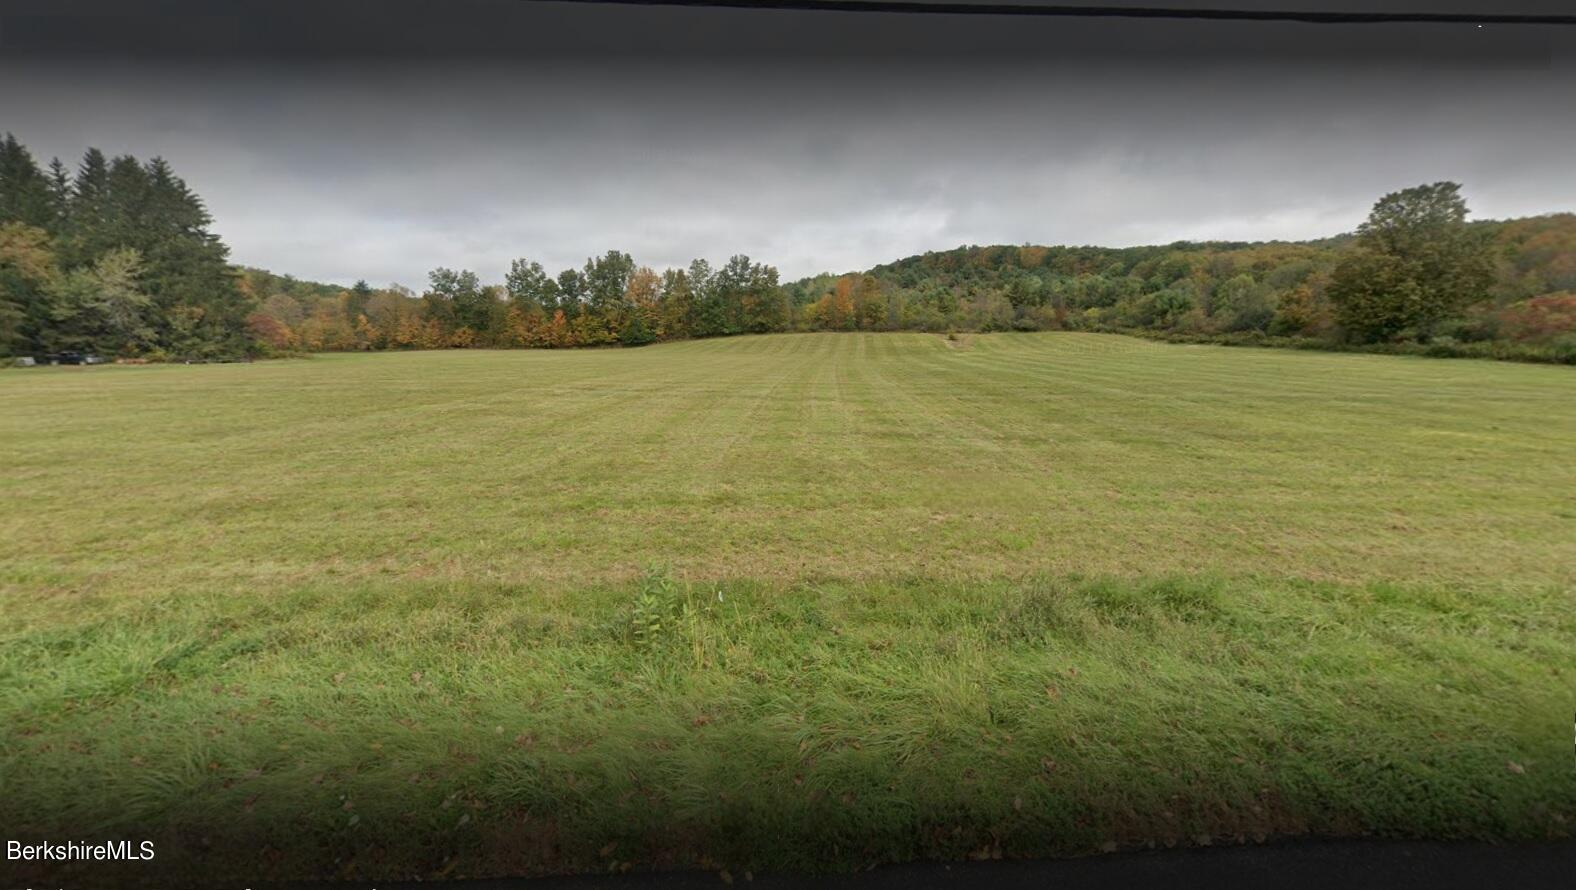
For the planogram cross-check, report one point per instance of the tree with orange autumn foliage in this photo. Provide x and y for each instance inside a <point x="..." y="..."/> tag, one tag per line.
<point x="270" y="331"/>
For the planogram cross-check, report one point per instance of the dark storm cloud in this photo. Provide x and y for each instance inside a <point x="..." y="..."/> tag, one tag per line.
<point x="375" y="140"/>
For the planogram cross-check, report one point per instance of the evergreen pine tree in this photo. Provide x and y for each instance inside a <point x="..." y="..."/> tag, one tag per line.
<point x="89" y="209"/>
<point x="59" y="197"/>
<point x="185" y="265"/>
<point x="24" y="191"/>
<point x="356" y="300"/>
<point x="125" y="201"/>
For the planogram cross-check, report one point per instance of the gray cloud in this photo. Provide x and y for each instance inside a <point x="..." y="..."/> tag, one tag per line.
<point x="382" y="168"/>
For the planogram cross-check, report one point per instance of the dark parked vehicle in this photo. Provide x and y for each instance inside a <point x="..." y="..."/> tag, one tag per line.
<point x="71" y="358"/>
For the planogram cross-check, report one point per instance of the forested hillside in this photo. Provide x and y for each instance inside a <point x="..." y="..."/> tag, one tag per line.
<point x="1224" y="290"/>
<point x="117" y="258"/>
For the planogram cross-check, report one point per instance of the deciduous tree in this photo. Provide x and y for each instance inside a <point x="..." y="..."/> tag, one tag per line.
<point x="1416" y="264"/>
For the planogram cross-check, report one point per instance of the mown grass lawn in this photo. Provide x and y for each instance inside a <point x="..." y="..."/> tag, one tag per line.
<point x="797" y="601"/>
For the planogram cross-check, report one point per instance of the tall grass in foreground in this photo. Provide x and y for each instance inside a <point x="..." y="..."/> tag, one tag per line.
<point x="469" y="729"/>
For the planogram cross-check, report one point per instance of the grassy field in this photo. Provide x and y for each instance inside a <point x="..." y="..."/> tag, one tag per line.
<point x="797" y="601"/>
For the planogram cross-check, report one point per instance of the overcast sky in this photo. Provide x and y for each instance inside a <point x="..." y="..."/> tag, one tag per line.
<point x="378" y="140"/>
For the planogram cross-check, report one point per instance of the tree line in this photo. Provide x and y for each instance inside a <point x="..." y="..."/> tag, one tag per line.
<point x="116" y="257"/>
<point x="610" y="300"/>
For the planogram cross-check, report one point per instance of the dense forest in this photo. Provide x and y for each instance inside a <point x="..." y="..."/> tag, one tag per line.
<point x="116" y="258"/>
<point x="1510" y="290"/>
